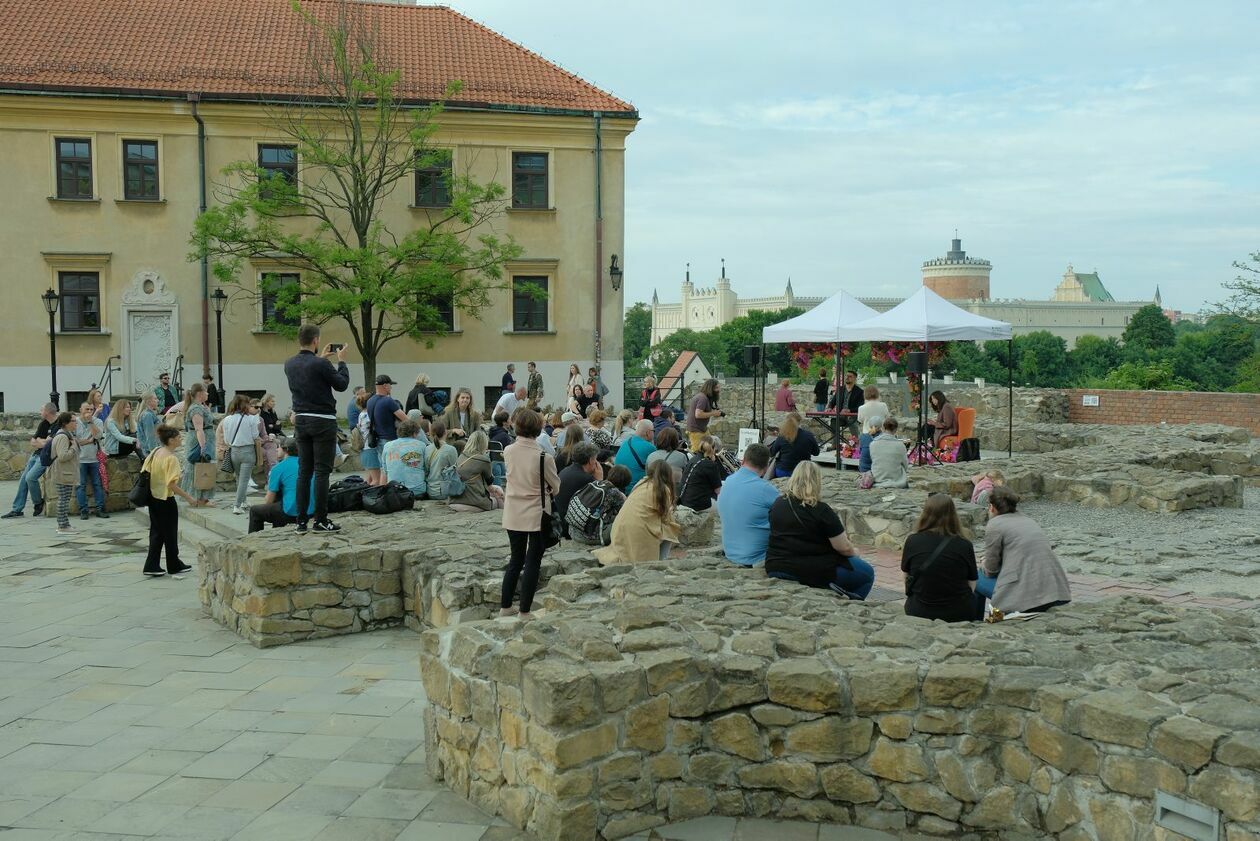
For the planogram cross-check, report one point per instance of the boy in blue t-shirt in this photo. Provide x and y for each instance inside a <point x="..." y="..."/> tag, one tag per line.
<point x="280" y="506"/>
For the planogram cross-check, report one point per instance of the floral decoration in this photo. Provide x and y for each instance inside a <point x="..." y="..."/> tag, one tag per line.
<point x="943" y="455"/>
<point x="804" y="353"/>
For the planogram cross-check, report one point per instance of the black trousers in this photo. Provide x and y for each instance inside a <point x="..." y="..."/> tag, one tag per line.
<point x="259" y="515"/>
<point x="527" y="552"/>
<point x="163" y="533"/>
<point x="317" y="445"/>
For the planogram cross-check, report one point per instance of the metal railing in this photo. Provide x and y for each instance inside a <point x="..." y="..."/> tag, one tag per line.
<point x="106" y="381"/>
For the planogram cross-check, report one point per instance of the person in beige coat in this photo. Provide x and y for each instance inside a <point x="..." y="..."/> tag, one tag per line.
<point x="645" y="529"/>
<point x="1021" y="572"/>
<point x="64" y="471"/>
<point x="523" y="507"/>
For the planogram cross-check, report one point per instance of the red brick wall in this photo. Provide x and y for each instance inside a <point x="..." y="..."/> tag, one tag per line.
<point x="1129" y="407"/>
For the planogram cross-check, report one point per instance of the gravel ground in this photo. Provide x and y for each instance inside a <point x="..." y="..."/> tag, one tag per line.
<point x="1212" y="551"/>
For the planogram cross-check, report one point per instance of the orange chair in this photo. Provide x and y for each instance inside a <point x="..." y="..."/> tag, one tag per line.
<point x="966" y="429"/>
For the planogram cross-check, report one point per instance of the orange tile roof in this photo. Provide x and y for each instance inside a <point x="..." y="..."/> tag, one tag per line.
<point x="676" y="370"/>
<point x="251" y="49"/>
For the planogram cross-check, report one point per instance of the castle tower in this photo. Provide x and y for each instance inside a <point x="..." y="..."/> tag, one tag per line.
<point x="956" y="276"/>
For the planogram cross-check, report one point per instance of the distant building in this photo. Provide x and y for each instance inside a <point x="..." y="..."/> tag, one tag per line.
<point x="1080" y="305"/>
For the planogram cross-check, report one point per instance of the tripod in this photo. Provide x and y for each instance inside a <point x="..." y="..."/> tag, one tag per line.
<point x="922" y="451"/>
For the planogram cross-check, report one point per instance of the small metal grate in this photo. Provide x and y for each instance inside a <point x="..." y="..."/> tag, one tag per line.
<point x="1193" y="820"/>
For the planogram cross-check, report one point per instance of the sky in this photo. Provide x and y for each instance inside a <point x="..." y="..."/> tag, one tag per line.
<point x="841" y="144"/>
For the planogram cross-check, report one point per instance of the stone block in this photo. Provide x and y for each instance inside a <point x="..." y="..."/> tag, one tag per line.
<point x="995" y="809"/>
<point x="1141" y="775"/>
<point x="695" y="527"/>
<point x="736" y="734"/>
<point x="1016" y="762"/>
<point x="922" y="797"/>
<point x="1186" y="741"/>
<point x="262" y="604"/>
<point x="333" y="617"/>
<point x="277" y="569"/>
<point x="939" y="722"/>
<point x="848" y="784"/>
<point x="791" y="776"/>
<point x="575" y="749"/>
<point x="1001" y="722"/>
<point x="665" y="669"/>
<point x="1063" y="810"/>
<point x="895" y="726"/>
<point x="806" y="683"/>
<point x="567" y="822"/>
<point x="1235" y="792"/>
<point x="689" y="802"/>
<point x="772" y="715"/>
<point x="1113" y="818"/>
<point x="560" y="694"/>
<point x="646" y="725"/>
<point x="315" y="597"/>
<point x="880" y="686"/>
<point x="1241" y="750"/>
<point x="1064" y="751"/>
<point x="955" y="684"/>
<point x="630" y="823"/>
<point x="898" y="761"/>
<point x="1119" y="716"/>
<point x="830" y="738"/>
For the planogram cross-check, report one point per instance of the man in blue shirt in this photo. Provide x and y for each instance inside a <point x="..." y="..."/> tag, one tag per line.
<point x="634" y="452"/>
<point x="385" y="413"/>
<point x="744" y="506"/>
<point x="280" y="506"/>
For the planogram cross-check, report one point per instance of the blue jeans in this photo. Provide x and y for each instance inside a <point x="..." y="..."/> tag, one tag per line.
<point x="90" y="472"/>
<point x="28" y="483"/>
<point x="985" y="584"/>
<point x="820" y="407"/>
<point x="857" y="581"/>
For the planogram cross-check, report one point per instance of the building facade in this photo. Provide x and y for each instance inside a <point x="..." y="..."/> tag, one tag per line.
<point x="1080" y="305"/>
<point x="106" y="160"/>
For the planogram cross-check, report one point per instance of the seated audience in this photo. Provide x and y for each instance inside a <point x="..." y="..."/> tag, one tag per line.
<point x="744" y="506"/>
<point x="794" y="445"/>
<point x="474" y="468"/>
<point x="645" y="529"/>
<point x="983" y="485"/>
<point x="553" y="423"/>
<point x="871" y="428"/>
<point x="669" y="449"/>
<point x="615" y="484"/>
<point x="783" y="399"/>
<point x="807" y="540"/>
<point x="405" y="459"/>
<point x="633" y="454"/>
<point x="596" y="433"/>
<point x="441" y="455"/>
<point x="422" y="424"/>
<point x="567" y="420"/>
<point x="946" y="420"/>
<point x="571" y="436"/>
<point x="500" y="433"/>
<point x="1021" y="572"/>
<point x="623" y="427"/>
<point x="872" y="407"/>
<point x="939" y="565"/>
<point x="279" y="507"/>
<point x="582" y="468"/>
<point x="461" y="419"/>
<point x="587" y="400"/>
<point x="576" y="395"/>
<point x="890" y="465"/>
<point x="121" y="438"/>
<point x="702" y="480"/>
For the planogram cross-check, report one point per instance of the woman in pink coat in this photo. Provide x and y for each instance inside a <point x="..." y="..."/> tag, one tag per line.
<point x="523" y="507"/>
<point x="783" y="399"/>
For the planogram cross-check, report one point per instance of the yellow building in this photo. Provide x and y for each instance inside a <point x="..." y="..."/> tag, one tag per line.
<point x="108" y="109"/>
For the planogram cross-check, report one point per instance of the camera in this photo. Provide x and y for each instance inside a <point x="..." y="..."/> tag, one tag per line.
<point x="336" y="346"/>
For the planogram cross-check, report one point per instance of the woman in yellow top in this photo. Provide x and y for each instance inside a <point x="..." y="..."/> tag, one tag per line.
<point x="164" y="475"/>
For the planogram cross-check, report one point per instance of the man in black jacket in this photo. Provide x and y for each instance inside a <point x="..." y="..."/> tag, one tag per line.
<point x="312" y="380"/>
<point x="850" y="399"/>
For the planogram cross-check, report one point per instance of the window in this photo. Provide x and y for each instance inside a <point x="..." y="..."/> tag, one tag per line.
<point x="278" y="161"/>
<point x="433" y="183"/>
<point x="529" y="180"/>
<point x="74" y="168"/>
<point x="140" y="170"/>
<point x="445" y="306"/>
<point x="80" y="302"/>
<point x="272" y="314"/>
<point x="529" y="314"/>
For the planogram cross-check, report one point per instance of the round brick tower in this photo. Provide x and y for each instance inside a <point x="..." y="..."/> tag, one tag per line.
<point x="956" y="276"/>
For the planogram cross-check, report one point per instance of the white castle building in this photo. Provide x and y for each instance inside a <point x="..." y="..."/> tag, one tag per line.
<point x="1080" y="305"/>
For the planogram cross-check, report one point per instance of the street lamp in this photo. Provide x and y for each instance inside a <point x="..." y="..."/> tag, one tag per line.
<point x="219" y="299"/>
<point x="51" y="299"/>
<point x="614" y="274"/>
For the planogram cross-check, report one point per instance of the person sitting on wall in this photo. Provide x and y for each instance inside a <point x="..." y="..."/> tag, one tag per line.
<point x="794" y="445"/>
<point x="872" y="407"/>
<point x="744" y="506"/>
<point x="279" y="507"/>
<point x="645" y="528"/>
<point x="983" y="485"/>
<point x="946" y="420"/>
<point x="870" y="428"/>
<point x="890" y="464"/>
<point x="633" y="454"/>
<point x="939" y="565"/>
<point x="807" y="541"/>
<point x="1021" y="572"/>
<point x="500" y="433"/>
<point x="783" y="399"/>
<point x="702" y="480"/>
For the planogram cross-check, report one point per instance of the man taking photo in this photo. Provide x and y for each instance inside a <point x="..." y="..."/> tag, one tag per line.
<point x="312" y="380"/>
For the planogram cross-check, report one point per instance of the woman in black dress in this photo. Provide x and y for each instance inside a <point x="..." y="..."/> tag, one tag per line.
<point x="940" y="565"/>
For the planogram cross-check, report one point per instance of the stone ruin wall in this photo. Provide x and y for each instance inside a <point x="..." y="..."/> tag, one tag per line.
<point x="655" y="693"/>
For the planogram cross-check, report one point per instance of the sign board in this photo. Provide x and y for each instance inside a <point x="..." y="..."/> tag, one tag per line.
<point x="1089" y="399"/>
<point x="746" y="437"/>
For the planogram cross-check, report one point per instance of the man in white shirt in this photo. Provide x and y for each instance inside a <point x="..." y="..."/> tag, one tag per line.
<point x="509" y="401"/>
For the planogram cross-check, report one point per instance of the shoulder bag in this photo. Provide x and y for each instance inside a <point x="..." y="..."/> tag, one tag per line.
<point x="141" y="493"/>
<point x="225" y="463"/>
<point x="912" y="578"/>
<point x="550" y="525"/>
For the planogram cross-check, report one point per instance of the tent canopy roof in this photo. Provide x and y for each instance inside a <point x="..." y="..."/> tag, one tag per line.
<point x="822" y="323"/>
<point x="923" y="317"/>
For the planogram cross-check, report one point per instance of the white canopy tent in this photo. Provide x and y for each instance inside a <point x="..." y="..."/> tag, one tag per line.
<point x="822" y="323"/>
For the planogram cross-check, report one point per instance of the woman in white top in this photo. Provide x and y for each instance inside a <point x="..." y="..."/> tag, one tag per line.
<point x="240" y="430"/>
<point x="575" y="379"/>
<point x="872" y="408"/>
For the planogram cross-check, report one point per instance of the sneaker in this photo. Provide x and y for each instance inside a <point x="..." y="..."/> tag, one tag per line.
<point x="39" y="509"/>
<point x="157" y="573"/>
<point x="301" y="527"/>
<point x="253" y="486"/>
<point x="842" y="593"/>
<point x="83" y="515"/>
<point x="236" y="509"/>
<point x="66" y="530"/>
<point x="102" y="515"/>
<point x="181" y="569"/>
<point x="11" y="515"/>
<point x="326" y="526"/>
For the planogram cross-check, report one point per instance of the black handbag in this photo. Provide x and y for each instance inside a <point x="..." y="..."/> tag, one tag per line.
<point x="388" y="499"/>
<point x="346" y="495"/>
<point x="550" y="525"/>
<point x="141" y="493"/>
<point x="969" y="449"/>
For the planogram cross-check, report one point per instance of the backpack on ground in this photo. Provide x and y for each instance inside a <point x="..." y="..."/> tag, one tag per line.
<point x="388" y="498"/>
<point x="346" y="495"/>
<point x="968" y="450"/>
<point x="586" y="512"/>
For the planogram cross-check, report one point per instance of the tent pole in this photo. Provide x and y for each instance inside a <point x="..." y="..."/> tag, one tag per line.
<point x="1010" y="396"/>
<point x="838" y="372"/>
<point x="761" y="371"/>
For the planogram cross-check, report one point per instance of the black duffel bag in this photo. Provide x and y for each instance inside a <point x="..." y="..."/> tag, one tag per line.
<point x="386" y="499"/>
<point x="346" y="495"/>
<point x="969" y="449"/>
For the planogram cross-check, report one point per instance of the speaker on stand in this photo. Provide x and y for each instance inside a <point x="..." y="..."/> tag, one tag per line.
<point x="917" y="363"/>
<point x="752" y="358"/>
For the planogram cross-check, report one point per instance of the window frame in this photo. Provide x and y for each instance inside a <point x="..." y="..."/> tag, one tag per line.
<point x="290" y="173"/>
<point x="545" y="177"/>
<point x="157" y="169"/>
<point x="63" y="309"/>
<point x="543" y="280"/>
<point x="452" y="325"/>
<point x="267" y="301"/>
<point x="90" y="162"/>
<point x="435" y="172"/>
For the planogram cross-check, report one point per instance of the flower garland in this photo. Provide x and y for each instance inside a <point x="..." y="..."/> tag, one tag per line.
<point x="915" y="382"/>
<point x="848" y="446"/>
<point x="883" y="353"/>
<point x="804" y="353"/>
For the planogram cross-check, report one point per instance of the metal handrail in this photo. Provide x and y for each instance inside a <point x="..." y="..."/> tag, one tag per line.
<point x="177" y="374"/>
<point x="105" y="384"/>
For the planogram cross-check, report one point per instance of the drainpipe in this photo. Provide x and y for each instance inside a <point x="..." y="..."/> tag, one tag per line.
<point x="599" y="244"/>
<point x="194" y="98"/>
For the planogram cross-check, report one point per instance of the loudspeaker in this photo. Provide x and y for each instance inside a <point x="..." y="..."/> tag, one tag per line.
<point x="916" y="362"/>
<point x="752" y="354"/>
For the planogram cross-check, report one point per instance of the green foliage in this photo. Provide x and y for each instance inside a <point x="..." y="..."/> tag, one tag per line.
<point x="746" y="330"/>
<point x="1043" y="359"/>
<point x="356" y="142"/>
<point x="637" y="333"/>
<point x="1148" y="330"/>
<point x="1245" y="302"/>
<point x="1248" y="379"/>
<point x="1154" y="376"/>
<point x="708" y="344"/>
<point x="1093" y="357"/>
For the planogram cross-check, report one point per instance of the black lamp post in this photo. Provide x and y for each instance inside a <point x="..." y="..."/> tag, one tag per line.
<point x="51" y="299"/>
<point x="219" y="299"/>
<point x="614" y="274"/>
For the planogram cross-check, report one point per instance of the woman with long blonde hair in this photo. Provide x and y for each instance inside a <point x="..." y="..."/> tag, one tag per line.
<point x="623" y="427"/>
<point x="808" y="543"/>
<point x="795" y="445"/>
<point x="120" y="431"/>
<point x="645" y="528"/>
<point x="461" y="419"/>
